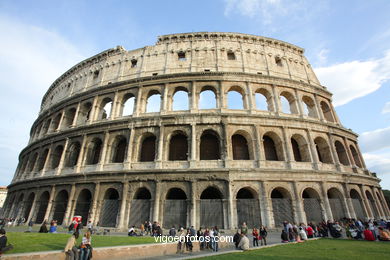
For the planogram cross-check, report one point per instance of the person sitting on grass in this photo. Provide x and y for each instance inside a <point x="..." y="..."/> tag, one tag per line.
<point x="383" y="234"/>
<point x="71" y="251"/>
<point x="132" y="232"/>
<point x="244" y="243"/>
<point x="284" y="236"/>
<point x="237" y="238"/>
<point x="3" y="243"/>
<point x="302" y="233"/>
<point x="368" y="235"/>
<point x="43" y="228"/>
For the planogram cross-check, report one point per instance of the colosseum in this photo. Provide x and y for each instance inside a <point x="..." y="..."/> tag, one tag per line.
<point x="257" y="141"/>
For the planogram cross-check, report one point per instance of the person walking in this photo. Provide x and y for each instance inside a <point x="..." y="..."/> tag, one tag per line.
<point x="263" y="235"/>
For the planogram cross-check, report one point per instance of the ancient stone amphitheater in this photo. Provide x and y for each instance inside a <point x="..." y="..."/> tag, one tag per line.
<point x="258" y="140"/>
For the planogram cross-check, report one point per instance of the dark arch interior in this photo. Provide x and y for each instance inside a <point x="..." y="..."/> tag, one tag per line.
<point x="354" y="194"/>
<point x="334" y="194"/>
<point x="45" y="196"/>
<point x="148" y="149"/>
<point x="176" y="194"/>
<point x="120" y="150"/>
<point x="309" y="194"/>
<point x="178" y="148"/>
<point x="111" y="194"/>
<point x="143" y="194"/>
<point x="85" y="196"/>
<point x="240" y="147"/>
<point x="270" y="149"/>
<point x="62" y="196"/>
<point x="211" y="193"/>
<point x="296" y="151"/>
<point x="277" y="194"/>
<point x="244" y="193"/>
<point x="209" y="146"/>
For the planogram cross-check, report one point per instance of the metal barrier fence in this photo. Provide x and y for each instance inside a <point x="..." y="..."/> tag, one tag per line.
<point x="211" y="213"/>
<point x="248" y="211"/>
<point x="358" y="207"/>
<point x="59" y="211"/>
<point x="313" y="210"/>
<point x="139" y="212"/>
<point x="82" y="209"/>
<point x="282" y="209"/>
<point x="337" y="209"/>
<point x="109" y="213"/>
<point x="175" y="213"/>
<point x="41" y="206"/>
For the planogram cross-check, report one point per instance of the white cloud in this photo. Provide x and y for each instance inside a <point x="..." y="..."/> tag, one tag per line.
<point x="386" y="108"/>
<point x="380" y="164"/>
<point x="351" y="80"/>
<point x="375" y="140"/>
<point x="31" y="58"/>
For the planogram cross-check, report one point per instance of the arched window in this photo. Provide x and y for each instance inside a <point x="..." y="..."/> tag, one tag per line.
<point x="288" y="103"/>
<point x="240" y="147"/>
<point x="300" y="148"/>
<point x="42" y="159"/>
<point x="231" y="55"/>
<point x="128" y="105"/>
<point x="327" y="112"/>
<point x="281" y="206"/>
<point x="73" y="154"/>
<point x="323" y="150"/>
<point x="263" y="100"/>
<point x="69" y="117"/>
<point x="312" y="205"/>
<point x="60" y="205"/>
<point x="270" y="150"/>
<point x="148" y="149"/>
<point x="178" y="148"/>
<point x="94" y="151"/>
<point x="211" y="201"/>
<point x="175" y="208"/>
<point x="110" y="208"/>
<point x="309" y="106"/>
<point x="335" y="198"/>
<point x="207" y="99"/>
<point x="341" y="153"/>
<point x="85" y="113"/>
<point x="209" y="146"/>
<point x="105" y="109"/>
<point x="83" y="205"/>
<point x="119" y="149"/>
<point x="235" y="100"/>
<point x="56" y="123"/>
<point x="56" y="156"/>
<point x="47" y="126"/>
<point x="153" y="103"/>
<point x="32" y="162"/>
<point x="356" y="157"/>
<point x="180" y="100"/>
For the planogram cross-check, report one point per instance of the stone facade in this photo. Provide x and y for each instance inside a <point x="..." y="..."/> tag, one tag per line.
<point x="89" y="156"/>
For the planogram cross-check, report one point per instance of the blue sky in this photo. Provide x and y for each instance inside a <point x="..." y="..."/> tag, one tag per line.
<point x="347" y="42"/>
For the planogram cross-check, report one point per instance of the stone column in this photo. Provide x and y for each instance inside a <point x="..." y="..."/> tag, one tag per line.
<point x="249" y="98"/>
<point x="103" y="155"/>
<point x="318" y="109"/>
<point x="50" y="203"/>
<point x="124" y="203"/>
<point x="232" y="207"/>
<point x="299" y="104"/>
<point x="287" y="148"/>
<point x="258" y="147"/>
<point x="164" y="99"/>
<point x="351" y="209"/>
<point x="193" y="203"/>
<point x="94" y="110"/>
<point x="138" y="103"/>
<point x="33" y="206"/>
<point x="300" y="212"/>
<point x="367" y="206"/>
<point x="63" y="156"/>
<point x="328" y="210"/>
<point x="60" y="122"/>
<point x="115" y="107"/>
<point x="377" y="203"/>
<point x="156" y="206"/>
<point x="82" y="157"/>
<point x="276" y="100"/>
<point x="66" y="221"/>
<point x="222" y="96"/>
<point x="93" y="211"/>
<point x="129" y="154"/>
<point x="45" y="165"/>
<point x="194" y="142"/>
<point x="313" y="150"/>
<point x="160" y="148"/>
<point x="334" y="152"/>
<point x="194" y="98"/>
<point x="265" y="207"/>
<point x="352" y="162"/>
<point x="76" y="115"/>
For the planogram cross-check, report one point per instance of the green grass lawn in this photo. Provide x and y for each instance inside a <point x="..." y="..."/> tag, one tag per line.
<point x="33" y="242"/>
<point x="317" y="249"/>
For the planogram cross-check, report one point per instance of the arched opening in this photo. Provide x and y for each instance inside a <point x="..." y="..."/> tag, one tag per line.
<point x="372" y="203"/>
<point x="46" y="128"/>
<point x="128" y="105"/>
<point x="288" y="103"/>
<point x="240" y="147"/>
<point x="140" y="207"/>
<point x="281" y="206"/>
<point x="326" y="111"/>
<point x="105" y="109"/>
<point x="84" y="113"/>
<point x="56" y="156"/>
<point x="273" y="152"/>
<point x="309" y="108"/>
<point x="69" y="117"/>
<point x="42" y="207"/>
<point x="153" y="103"/>
<point x="17" y="208"/>
<point x="323" y="150"/>
<point x="300" y="149"/>
<point x="180" y="100"/>
<point x="148" y="149"/>
<point x="28" y="206"/>
<point x="55" y="123"/>
<point x="207" y="99"/>
<point x="211" y="208"/>
<point x="312" y="205"/>
<point x="83" y="205"/>
<point x="73" y="154"/>
<point x="42" y="159"/>
<point x="94" y="151"/>
<point x="357" y="204"/>
<point x="32" y="162"/>
<point x="341" y="153"/>
<point x="335" y="200"/>
<point x="235" y="100"/>
<point x="119" y="149"/>
<point x="248" y="208"/>
<point x="209" y="146"/>
<point x="356" y="157"/>
<point x="110" y="208"/>
<point x="60" y="204"/>
<point x="175" y="208"/>
<point x="178" y="148"/>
